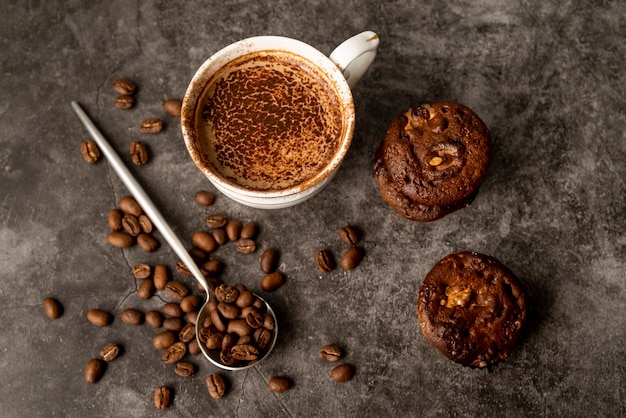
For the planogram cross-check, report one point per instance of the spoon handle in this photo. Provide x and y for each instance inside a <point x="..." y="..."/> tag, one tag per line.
<point x="140" y="195"/>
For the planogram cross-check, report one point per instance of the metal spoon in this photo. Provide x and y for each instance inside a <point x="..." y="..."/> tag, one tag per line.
<point x="157" y="219"/>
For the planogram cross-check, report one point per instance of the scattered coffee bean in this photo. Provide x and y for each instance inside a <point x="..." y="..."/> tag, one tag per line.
<point x="174" y="353"/>
<point x="325" y="261"/>
<point x="191" y="317"/>
<point x="272" y="281"/>
<point x="131" y="316"/>
<point x="173" y="324"/>
<point x="269" y="260"/>
<point x="204" y="198"/>
<point x="176" y="290"/>
<point x="138" y="153"/>
<point x="249" y="231"/>
<point x="246" y="246"/>
<point x="128" y="204"/>
<point x="197" y="255"/>
<point x="94" y="369"/>
<point x="278" y="384"/>
<point x="190" y="303"/>
<point x="204" y="241"/>
<point x="184" y="369"/>
<point x="162" y="397"/>
<point x="147" y="242"/>
<point x="110" y="352"/>
<point x="146" y="289"/>
<point x="99" y="318"/>
<point x="187" y="333"/>
<point x="146" y="223"/>
<point x="141" y="271"/>
<point x="172" y="310"/>
<point x="130" y="223"/>
<point x="212" y="267"/>
<point x="161" y="276"/>
<point x="52" y="308"/>
<point x="124" y="86"/>
<point x="216" y="221"/>
<point x="193" y="347"/>
<point x="124" y="101"/>
<point x="182" y="269"/>
<point x="349" y="235"/>
<point x="216" y="386"/>
<point x="173" y="107"/>
<point x="154" y="319"/>
<point x="342" y="373"/>
<point x="351" y="258"/>
<point x="151" y="126"/>
<point x="233" y="230"/>
<point x="330" y="352"/>
<point x="219" y="235"/>
<point x="120" y="239"/>
<point x="90" y="151"/>
<point x="115" y="219"/>
<point x="163" y="340"/>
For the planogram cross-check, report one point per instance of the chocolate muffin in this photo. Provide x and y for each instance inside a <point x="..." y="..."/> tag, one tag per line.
<point x="472" y="308"/>
<point x="432" y="160"/>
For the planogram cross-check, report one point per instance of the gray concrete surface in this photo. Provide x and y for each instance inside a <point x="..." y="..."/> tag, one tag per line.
<point x="547" y="77"/>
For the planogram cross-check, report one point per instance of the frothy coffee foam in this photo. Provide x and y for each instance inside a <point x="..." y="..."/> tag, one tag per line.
<point x="269" y="121"/>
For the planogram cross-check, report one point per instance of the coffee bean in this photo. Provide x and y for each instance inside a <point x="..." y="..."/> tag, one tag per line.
<point x="173" y="324"/>
<point x="244" y="299"/>
<point x="190" y="303"/>
<point x="254" y="319"/>
<point x="191" y="317"/>
<point x="131" y="316"/>
<point x="269" y="260"/>
<point x="99" y="318"/>
<point x="147" y="242"/>
<point x="138" y="153"/>
<point x="176" y="290"/>
<point x="163" y="340"/>
<point x="193" y="347"/>
<point x="226" y="293"/>
<point x="262" y="337"/>
<point x="228" y="341"/>
<point x="219" y="235"/>
<point x="325" y="261"/>
<point x="90" y="151"/>
<point x="146" y="289"/>
<point x="172" y="310"/>
<point x="259" y="304"/>
<point x="217" y="321"/>
<point x="204" y="241"/>
<point x="184" y="369"/>
<point x="52" y="308"/>
<point x="124" y="86"/>
<point x="342" y="373"/>
<point x="239" y="327"/>
<point x="146" y="223"/>
<point x="128" y="204"/>
<point x="246" y="246"/>
<point x="154" y="319"/>
<point x="204" y="198"/>
<point x="250" y="231"/>
<point x="216" y="386"/>
<point x="212" y="267"/>
<point x="182" y="269"/>
<point x="278" y="384"/>
<point x="268" y="321"/>
<point x="151" y="126"/>
<point x="187" y="333"/>
<point x="162" y="397"/>
<point x="349" y="235"/>
<point x="161" y="276"/>
<point x="124" y="101"/>
<point x="245" y="352"/>
<point x="330" y="352"/>
<point x="272" y="281"/>
<point x="227" y="310"/>
<point x="233" y="230"/>
<point x="197" y="255"/>
<point x="110" y="351"/>
<point x="94" y="369"/>
<point x="173" y="107"/>
<point x="120" y="239"/>
<point x="115" y="219"/>
<point x="141" y="271"/>
<point x="351" y="258"/>
<point x="214" y="340"/>
<point x="130" y="223"/>
<point x="216" y="221"/>
<point x="174" y="353"/>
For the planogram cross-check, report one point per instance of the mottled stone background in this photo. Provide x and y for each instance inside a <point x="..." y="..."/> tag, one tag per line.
<point x="548" y="79"/>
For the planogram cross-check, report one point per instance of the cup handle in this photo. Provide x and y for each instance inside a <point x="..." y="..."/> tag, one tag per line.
<point x="355" y="55"/>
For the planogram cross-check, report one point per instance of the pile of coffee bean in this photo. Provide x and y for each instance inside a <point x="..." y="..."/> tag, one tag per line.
<point x="130" y="225"/>
<point x="351" y="258"/>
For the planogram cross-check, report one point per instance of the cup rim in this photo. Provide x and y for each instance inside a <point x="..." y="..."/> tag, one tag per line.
<point x="256" y="44"/>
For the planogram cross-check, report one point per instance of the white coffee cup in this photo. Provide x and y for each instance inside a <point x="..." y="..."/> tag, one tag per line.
<point x="343" y="68"/>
